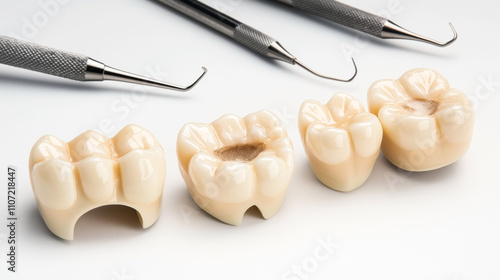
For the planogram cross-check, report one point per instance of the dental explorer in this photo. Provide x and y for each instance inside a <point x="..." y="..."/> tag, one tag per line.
<point x="72" y="66"/>
<point x="242" y="33"/>
<point x="355" y="18"/>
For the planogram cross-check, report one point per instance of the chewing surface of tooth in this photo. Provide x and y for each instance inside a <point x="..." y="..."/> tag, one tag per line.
<point x="341" y="140"/>
<point x="427" y="124"/>
<point x="70" y="179"/>
<point x="235" y="163"/>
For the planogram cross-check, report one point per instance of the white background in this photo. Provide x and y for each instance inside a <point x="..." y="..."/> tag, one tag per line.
<point x="438" y="225"/>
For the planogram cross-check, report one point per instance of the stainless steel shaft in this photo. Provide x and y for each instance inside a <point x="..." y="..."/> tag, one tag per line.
<point x="372" y="24"/>
<point x="38" y="58"/>
<point x="72" y="66"/>
<point x="240" y="32"/>
<point x="342" y="14"/>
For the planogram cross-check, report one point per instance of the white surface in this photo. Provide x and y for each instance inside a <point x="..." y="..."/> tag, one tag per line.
<point x="441" y="225"/>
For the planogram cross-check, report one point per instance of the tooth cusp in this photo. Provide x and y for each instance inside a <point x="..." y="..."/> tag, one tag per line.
<point x="133" y="137"/>
<point x="48" y="147"/>
<point x="239" y="163"/>
<point x="88" y="144"/>
<point x="427" y="125"/>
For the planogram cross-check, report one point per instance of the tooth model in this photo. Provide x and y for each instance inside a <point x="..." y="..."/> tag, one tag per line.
<point x="235" y="163"/>
<point x="427" y="124"/>
<point x="341" y="140"/>
<point x="70" y="179"/>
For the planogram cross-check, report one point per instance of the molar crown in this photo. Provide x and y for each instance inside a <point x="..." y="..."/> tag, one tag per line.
<point x="427" y="124"/>
<point x="235" y="163"/>
<point x="70" y="179"/>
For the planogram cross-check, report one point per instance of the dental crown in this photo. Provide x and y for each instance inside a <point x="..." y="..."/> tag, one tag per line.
<point x="235" y="163"/>
<point x="427" y="124"/>
<point x="70" y="179"/>
<point x="341" y="140"/>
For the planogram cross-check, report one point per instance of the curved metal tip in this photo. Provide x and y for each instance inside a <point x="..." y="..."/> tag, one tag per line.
<point x="394" y="31"/>
<point x="113" y="74"/>
<point x="329" y="77"/>
<point x="455" y="36"/>
<point x="195" y="82"/>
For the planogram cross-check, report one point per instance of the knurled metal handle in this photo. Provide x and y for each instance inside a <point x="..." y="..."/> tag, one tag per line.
<point x="342" y="14"/>
<point x="42" y="59"/>
<point x="261" y="43"/>
<point x="253" y="38"/>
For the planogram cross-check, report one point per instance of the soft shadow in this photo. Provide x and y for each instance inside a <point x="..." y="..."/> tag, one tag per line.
<point x="307" y="175"/>
<point x="200" y="218"/>
<point x="49" y="83"/>
<point x="181" y="196"/>
<point x="37" y="224"/>
<point x="87" y="87"/>
<point x="253" y="213"/>
<point x="431" y="176"/>
<point x="108" y="223"/>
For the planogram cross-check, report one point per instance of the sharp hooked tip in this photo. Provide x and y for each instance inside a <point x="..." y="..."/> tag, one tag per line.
<point x="330" y="77"/>
<point x="114" y="74"/>
<point x="394" y="31"/>
<point x="355" y="70"/>
<point x="197" y="80"/>
<point x="455" y="36"/>
<point x="437" y="43"/>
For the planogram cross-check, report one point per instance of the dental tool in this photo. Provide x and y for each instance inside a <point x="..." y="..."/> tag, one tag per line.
<point x="363" y="21"/>
<point x="72" y="66"/>
<point x="242" y="33"/>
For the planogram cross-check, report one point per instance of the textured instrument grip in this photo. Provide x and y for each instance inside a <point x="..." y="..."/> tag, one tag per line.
<point x="252" y="38"/>
<point x="343" y="14"/>
<point x="38" y="58"/>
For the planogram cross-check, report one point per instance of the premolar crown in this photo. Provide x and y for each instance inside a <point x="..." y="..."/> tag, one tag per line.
<point x="70" y="179"/>
<point x="341" y="140"/>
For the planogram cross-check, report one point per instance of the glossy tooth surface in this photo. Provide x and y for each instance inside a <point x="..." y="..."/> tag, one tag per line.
<point x="328" y="144"/>
<point x="142" y="175"/>
<point x="98" y="178"/>
<point x="427" y="124"/>
<point x="49" y="147"/>
<point x="90" y="144"/>
<point x="363" y="130"/>
<point x="235" y="163"/>
<point x="55" y="184"/>
<point x="70" y="179"/>
<point x="341" y="140"/>
<point x="220" y="181"/>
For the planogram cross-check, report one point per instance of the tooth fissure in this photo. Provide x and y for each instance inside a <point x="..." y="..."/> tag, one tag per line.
<point x="420" y="106"/>
<point x="240" y="152"/>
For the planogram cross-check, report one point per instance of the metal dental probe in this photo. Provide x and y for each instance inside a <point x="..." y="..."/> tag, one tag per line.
<point x="242" y="33"/>
<point x="363" y="21"/>
<point x="72" y="66"/>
